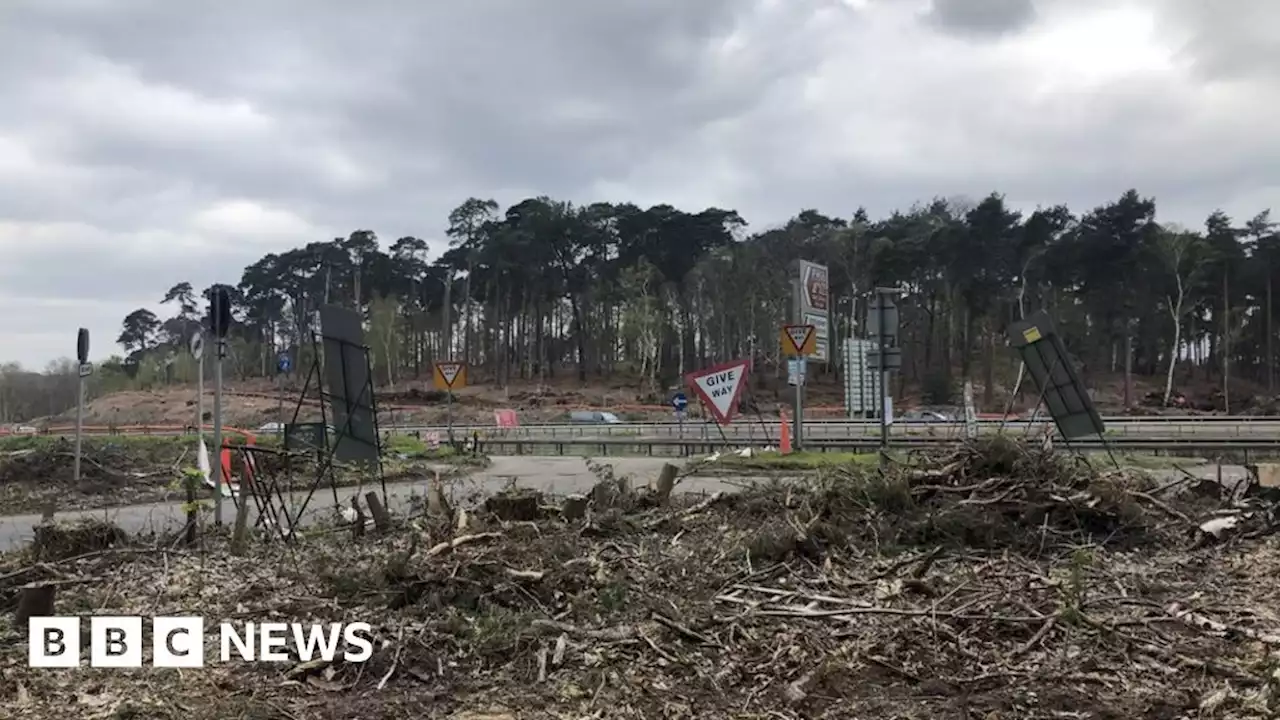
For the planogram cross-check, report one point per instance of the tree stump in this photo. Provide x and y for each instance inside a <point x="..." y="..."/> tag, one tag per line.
<point x="516" y="506"/>
<point x="381" y="518"/>
<point x="240" y="535"/>
<point x="575" y="507"/>
<point x="666" y="483"/>
<point x="357" y="525"/>
<point x="437" y="505"/>
<point x="193" y="511"/>
<point x="34" y="600"/>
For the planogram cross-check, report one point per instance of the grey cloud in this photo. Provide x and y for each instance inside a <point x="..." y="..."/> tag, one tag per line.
<point x="982" y="18"/>
<point x="666" y="100"/>
<point x="461" y="93"/>
<point x="1226" y="39"/>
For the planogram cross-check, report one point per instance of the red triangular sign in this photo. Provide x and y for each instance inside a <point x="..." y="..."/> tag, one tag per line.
<point x="449" y="371"/>
<point x="720" y="387"/>
<point x="799" y="336"/>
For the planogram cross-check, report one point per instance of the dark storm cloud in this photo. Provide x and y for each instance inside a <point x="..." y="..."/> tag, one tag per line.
<point x="982" y="18"/>
<point x="140" y="114"/>
<point x="473" y="87"/>
<point x="145" y="142"/>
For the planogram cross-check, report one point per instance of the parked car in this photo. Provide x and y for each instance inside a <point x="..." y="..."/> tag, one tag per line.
<point x="593" y="417"/>
<point x="928" y="415"/>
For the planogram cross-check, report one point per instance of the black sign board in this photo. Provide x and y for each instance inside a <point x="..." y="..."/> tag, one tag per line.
<point x="1055" y="376"/>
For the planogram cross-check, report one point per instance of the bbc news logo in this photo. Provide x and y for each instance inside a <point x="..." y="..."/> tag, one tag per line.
<point x="118" y="642"/>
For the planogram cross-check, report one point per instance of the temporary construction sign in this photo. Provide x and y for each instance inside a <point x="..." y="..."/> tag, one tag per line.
<point x="450" y="375"/>
<point x="799" y="340"/>
<point x="720" y="388"/>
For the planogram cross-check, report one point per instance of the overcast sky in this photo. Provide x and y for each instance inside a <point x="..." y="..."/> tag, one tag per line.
<point x="145" y="142"/>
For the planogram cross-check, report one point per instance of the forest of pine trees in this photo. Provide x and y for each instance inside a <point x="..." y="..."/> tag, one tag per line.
<point x="550" y="289"/>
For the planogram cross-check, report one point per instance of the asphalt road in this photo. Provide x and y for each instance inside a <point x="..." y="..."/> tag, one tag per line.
<point x="558" y="475"/>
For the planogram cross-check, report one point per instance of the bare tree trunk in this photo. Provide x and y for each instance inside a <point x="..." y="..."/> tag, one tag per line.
<point x="1175" y="310"/>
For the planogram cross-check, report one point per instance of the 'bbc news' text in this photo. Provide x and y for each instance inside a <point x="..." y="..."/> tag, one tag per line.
<point x="119" y="641"/>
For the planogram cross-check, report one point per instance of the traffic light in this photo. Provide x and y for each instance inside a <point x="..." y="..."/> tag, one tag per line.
<point x="220" y="312"/>
<point x="82" y="346"/>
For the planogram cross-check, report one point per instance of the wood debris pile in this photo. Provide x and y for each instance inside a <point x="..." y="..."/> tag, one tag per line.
<point x="995" y="582"/>
<point x="110" y="473"/>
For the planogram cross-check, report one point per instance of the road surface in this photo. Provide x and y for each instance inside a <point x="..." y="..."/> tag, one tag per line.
<point x="558" y="475"/>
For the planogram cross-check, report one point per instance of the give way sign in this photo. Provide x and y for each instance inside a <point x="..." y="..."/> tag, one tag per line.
<point x="720" y="388"/>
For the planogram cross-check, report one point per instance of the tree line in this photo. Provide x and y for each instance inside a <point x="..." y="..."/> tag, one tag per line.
<point x="549" y="288"/>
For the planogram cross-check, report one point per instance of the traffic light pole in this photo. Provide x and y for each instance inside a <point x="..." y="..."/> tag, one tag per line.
<point x="82" y="354"/>
<point x="218" y="479"/>
<point x="79" y="421"/>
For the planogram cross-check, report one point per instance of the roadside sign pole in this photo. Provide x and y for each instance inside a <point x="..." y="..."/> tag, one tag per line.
<point x="197" y="351"/>
<point x="801" y="370"/>
<point x="217" y="432"/>
<point x="446" y="377"/>
<point x="200" y="400"/>
<point x="884" y="372"/>
<point x="283" y="365"/>
<point x="680" y="402"/>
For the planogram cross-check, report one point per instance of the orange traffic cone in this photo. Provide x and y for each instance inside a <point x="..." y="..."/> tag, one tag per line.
<point x="784" y="444"/>
<point x="226" y="468"/>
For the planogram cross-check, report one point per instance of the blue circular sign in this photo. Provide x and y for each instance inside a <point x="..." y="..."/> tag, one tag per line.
<point x="679" y="402"/>
<point x="283" y="362"/>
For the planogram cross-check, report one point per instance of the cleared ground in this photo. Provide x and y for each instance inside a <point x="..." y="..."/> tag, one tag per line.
<point x="992" y="583"/>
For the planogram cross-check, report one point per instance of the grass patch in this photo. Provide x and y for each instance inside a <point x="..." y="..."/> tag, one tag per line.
<point x="409" y="448"/>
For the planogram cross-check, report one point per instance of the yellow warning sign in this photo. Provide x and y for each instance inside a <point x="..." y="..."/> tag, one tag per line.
<point x="799" y="340"/>
<point x="450" y="375"/>
<point x="1031" y="334"/>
